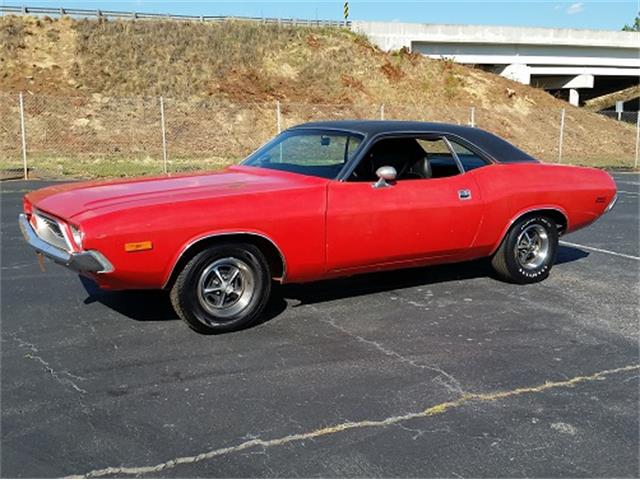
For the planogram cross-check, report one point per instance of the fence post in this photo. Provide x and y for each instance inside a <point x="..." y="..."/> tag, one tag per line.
<point x="382" y="112"/>
<point x="24" y="138"/>
<point x="278" y="119"/>
<point x="635" y="163"/>
<point x="164" y="137"/>
<point x="562" y="112"/>
<point x="472" y="116"/>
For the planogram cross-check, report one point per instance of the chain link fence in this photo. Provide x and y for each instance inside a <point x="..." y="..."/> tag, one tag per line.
<point x="629" y="117"/>
<point x="99" y="136"/>
<point x="582" y="145"/>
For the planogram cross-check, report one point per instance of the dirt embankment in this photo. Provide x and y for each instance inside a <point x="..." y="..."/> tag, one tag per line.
<point x="306" y="69"/>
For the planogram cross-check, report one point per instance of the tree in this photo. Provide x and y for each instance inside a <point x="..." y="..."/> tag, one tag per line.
<point x="635" y="27"/>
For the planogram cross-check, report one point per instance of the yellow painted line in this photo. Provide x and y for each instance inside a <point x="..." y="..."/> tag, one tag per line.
<point x="342" y="427"/>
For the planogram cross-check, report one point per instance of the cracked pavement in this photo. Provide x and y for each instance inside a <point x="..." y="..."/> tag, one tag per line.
<point x="441" y="371"/>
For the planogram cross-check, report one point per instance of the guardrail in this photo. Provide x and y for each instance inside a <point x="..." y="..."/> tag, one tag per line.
<point x="87" y="13"/>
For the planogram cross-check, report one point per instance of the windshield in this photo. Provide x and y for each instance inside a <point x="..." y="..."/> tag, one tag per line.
<point x="309" y="152"/>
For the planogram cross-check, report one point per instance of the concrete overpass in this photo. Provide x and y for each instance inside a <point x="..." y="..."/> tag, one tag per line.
<point x="574" y="63"/>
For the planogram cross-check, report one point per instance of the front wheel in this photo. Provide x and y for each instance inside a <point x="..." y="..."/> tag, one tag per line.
<point x="528" y="251"/>
<point x="223" y="288"/>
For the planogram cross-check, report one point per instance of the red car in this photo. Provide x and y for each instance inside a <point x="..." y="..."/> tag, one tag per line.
<point x="320" y="200"/>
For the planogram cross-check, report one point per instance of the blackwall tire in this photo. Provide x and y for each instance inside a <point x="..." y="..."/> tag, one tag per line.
<point x="223" y="288"/>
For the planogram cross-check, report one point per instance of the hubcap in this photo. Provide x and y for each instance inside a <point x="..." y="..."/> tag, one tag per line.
<point x="532" y="247"/>
<point x="225" y="287"/>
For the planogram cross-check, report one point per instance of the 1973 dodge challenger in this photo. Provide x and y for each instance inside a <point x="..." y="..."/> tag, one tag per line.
<point x="320" y="200"/>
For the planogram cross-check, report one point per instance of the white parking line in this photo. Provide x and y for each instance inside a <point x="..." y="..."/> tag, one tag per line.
<point x="599" y="250"/>
<point x="628" y="193"/>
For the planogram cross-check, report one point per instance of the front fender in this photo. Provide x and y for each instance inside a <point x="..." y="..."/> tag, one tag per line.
<point x="193" y="241"/>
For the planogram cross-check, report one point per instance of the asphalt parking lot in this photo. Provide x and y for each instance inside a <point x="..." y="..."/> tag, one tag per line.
<point x="436" y="372"/>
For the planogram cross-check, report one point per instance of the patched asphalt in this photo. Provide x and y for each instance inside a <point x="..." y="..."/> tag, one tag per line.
<point x="434" y="372"/>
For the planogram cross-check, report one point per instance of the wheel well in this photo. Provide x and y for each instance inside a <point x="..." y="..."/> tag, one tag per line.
<point x="556" y="215"/>
<point x="274" y="257"/>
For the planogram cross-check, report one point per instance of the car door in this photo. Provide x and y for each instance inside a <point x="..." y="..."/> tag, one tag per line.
<point x="409" y="220"/>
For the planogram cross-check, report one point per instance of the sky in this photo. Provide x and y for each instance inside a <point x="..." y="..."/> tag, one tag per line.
<point x="601" y="14"/>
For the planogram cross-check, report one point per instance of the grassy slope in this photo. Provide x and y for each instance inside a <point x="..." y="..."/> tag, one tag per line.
<point x="242" y="62"/>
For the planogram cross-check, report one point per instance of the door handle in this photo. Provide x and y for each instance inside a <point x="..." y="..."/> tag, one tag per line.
<point x="464" y="194"/>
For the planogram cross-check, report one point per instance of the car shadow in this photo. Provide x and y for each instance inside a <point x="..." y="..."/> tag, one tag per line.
<point x="155" y="306"/>
<point x="365" y="284"/>
<point x="141" y="305"/>
<point x="567" y="254"/>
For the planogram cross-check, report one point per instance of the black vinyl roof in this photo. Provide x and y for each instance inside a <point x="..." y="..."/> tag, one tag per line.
<point x="498" y="148"/>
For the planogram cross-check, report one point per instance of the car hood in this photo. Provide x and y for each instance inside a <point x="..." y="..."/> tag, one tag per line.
<point x="74" y="199"/>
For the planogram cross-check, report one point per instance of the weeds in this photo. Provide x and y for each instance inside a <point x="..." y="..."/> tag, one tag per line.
<point x="100" y="70"/>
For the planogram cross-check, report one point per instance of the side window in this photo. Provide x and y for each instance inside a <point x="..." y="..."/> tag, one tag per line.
<point x="441" y="160"/>
<point x="468" y="159"/>
<point x="351" y="147"/>
<point x="414" y="158"/>
<point x="402" y="153"/>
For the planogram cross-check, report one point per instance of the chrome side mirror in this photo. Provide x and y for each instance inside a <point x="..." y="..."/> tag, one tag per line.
<point x="386" y="175"/>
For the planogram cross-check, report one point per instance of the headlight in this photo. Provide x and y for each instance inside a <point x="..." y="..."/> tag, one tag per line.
<point x="78" y="235"/>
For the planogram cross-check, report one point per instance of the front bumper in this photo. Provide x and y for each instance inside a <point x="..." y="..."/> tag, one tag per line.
<point x="89" y="261"/>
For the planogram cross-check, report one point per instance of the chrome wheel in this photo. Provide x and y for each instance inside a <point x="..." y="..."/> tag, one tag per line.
<point x="532" y="247"/>
<point x="225" y="287"/>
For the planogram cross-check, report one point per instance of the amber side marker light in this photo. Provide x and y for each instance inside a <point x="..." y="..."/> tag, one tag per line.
<point x="138" y="246"/>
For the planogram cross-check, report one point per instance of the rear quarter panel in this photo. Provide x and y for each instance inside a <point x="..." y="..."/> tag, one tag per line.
<point x="510" y="190"/>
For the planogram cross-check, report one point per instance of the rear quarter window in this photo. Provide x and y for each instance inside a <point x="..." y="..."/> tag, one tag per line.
<point x="469" y="160"/>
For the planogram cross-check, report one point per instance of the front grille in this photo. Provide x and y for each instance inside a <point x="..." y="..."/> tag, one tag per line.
<point x="50" y="230"/>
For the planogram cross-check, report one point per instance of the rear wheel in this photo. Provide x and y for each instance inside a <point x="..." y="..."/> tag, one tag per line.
<point x="223" y="288"/>
<point x="528" y="251"/>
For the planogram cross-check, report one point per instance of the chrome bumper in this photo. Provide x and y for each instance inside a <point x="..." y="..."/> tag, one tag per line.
<point x="89" y="261"/>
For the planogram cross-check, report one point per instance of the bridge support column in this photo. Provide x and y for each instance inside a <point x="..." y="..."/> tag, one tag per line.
<point x="574" y="97"/>
<point x="565" y="82"/>
<point x="556" y="82"/>
<point x="516" y="71"/>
